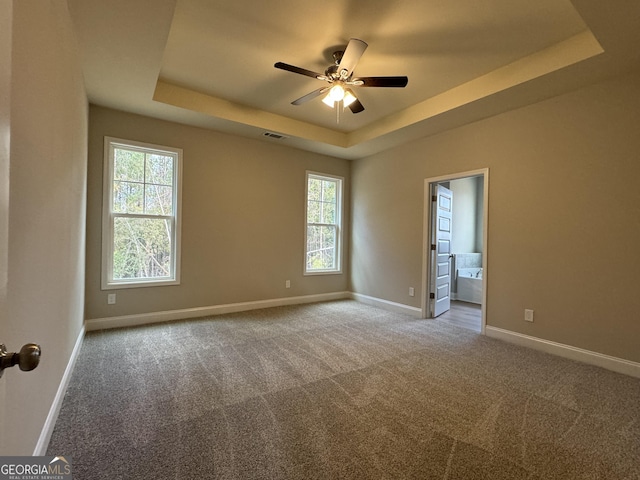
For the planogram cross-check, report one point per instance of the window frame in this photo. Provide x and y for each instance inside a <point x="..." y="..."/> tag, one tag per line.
<point x="338" y="222"/>
<point x="108" y="215"/>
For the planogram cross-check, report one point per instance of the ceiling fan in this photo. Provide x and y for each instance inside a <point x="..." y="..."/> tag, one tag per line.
<point x="340" y="78"/>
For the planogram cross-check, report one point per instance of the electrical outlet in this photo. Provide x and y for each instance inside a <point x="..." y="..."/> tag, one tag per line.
<point x="287" y="284"/>
<point x="528" y="315"/>
<point x="111" y="298"/>
<point x="412" y="292"/>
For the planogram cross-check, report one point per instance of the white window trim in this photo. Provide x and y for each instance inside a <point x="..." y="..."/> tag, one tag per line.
<point x="107" y="283"/>
<point x="339" y="226"/>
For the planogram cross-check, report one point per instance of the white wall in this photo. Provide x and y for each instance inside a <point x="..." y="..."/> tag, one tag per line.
<point x="47" y="198"/>
<point x="467" y="215"/>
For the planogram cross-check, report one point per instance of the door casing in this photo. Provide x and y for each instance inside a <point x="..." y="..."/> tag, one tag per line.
<point x="427" y="263"/>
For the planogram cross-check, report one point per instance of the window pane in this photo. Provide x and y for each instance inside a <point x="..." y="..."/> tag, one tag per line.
<point x="142" y="248"/>
<point x="128" y="197"/>
<point x="329" y="191"/>
<point x="159" y="169"/>
<point x="313" y="212"/>
<point x="328" y="213"/>
<point x="128" y="165"/>
<point x="158" y="200"/>
<point x="321" y="243"/>
<point x="314" y="190"/>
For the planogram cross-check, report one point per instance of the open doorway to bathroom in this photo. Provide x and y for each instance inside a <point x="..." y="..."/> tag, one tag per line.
<point x="454" y="249"/>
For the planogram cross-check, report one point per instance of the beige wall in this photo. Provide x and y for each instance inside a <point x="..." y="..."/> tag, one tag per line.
<point x="564" y="216"/>
<point x="242" y="218"/>
<point x="45" y="275"/>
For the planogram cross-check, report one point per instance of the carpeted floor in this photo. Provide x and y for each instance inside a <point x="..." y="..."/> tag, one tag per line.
<point x="339" y="390"/>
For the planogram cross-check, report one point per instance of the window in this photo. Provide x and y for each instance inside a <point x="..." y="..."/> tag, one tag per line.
<point x="324" y="224"/>
<point x="140" y="220"/>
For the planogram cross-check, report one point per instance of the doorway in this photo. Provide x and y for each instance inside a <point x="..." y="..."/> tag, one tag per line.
<point x="440" y="250"/>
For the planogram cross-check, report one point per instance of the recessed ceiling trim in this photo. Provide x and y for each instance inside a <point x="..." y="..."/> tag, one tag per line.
<point x="182" y="97"/>
<point x="234" y="47"/>
<point x="573" y="50"/>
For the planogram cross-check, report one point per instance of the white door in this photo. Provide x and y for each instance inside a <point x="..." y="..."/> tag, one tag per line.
<point x="6" y="19"/>
<point x="441" y="250"/>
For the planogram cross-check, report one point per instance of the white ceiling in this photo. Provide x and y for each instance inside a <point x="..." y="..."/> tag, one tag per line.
<point x="209" y="63"/>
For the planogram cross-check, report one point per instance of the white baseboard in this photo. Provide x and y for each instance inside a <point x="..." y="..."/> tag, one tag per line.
<point x="50" y="422"/>
<point x="388" y="305"/>
<point x="166" y="316"/>
<point x="615" y="364"/>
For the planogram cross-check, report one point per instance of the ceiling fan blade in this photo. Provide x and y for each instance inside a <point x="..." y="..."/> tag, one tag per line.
<point x="301" y="71"/>
<point x="382" y="81"/>
<point x="310" y="96"/>
<point x="351" y="55"/>
<point x="356" y="106"/>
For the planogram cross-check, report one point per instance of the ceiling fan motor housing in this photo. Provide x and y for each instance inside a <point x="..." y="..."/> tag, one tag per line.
<point x="332" y="72"/>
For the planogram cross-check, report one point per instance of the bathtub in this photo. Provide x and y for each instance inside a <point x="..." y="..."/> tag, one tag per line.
<point x="469" y="285"/>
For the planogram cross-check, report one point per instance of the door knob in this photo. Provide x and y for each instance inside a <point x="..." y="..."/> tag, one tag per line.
<point x="27" y="358"/>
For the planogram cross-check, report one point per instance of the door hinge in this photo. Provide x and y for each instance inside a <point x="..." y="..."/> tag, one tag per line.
<point x="433" y="247"/>
<point x="432" y="296"/>
<point x="434" y="198"/>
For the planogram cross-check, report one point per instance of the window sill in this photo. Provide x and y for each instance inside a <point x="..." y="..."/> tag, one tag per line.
<point x="323" y="272"/>
<point x="138" y="284"/>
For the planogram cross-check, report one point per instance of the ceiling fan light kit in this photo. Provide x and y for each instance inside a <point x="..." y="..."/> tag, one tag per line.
<point x="338" y="94"/>
<point x="340" y="78"/>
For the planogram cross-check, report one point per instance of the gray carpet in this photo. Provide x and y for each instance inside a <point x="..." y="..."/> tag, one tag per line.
<point x="339" y="390"/>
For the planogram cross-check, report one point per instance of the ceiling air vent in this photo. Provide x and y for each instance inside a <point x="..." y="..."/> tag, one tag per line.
<point x="275" y="136"/>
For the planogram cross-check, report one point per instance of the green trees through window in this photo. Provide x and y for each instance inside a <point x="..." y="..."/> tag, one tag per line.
<point x="323" y="223"/>
<point x="142" y="216"/>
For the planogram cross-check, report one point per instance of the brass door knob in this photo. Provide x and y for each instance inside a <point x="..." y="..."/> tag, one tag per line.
<point x="27" y="358"/>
